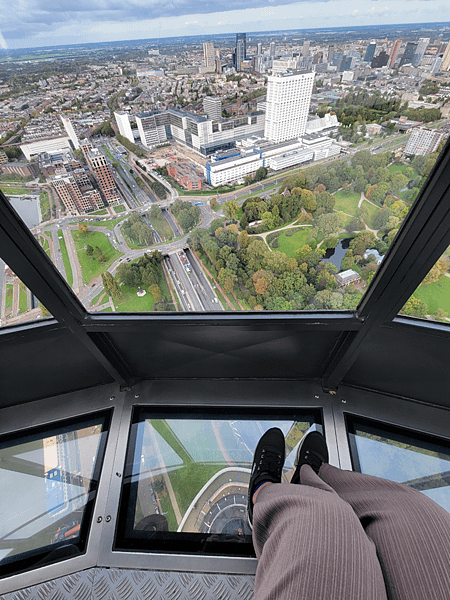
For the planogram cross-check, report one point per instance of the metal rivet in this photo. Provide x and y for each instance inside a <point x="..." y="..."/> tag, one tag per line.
<point x="136" y="395"/>
<point x="99" y="519"/>
<point x="344" y="401"/>
<point x="108" y="518"/>
<point x="112" y="398"/>
<point x="316" y="396"/>
<point x="119" y="474"/>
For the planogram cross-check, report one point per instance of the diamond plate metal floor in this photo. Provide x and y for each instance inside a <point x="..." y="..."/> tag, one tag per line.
<point x="127" y="584"/>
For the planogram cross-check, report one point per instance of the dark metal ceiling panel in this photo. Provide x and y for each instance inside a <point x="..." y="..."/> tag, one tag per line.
<point x="406" y="361"/>
<point x="40" y="362"/>
<point x="225" y="352"/>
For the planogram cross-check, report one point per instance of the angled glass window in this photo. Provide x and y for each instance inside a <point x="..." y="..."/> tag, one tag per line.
<point x="431" y="300"/>
<point x="186" y="477"/>
<point x="49" y="478"/>
<point x="18" y="304"/>
<point x="415" y="459"/>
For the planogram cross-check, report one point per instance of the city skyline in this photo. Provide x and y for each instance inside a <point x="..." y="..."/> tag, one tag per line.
<point x="33" y="24"/>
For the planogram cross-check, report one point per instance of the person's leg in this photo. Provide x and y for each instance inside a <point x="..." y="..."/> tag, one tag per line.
<point x="310" y="546"/>
<point x="410" y="531"/>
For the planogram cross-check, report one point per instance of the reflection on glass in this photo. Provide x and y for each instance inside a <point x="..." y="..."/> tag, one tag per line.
<point x="431" y="300"/>
<point x="191" y="476"/>
<point x="46" y="480"/>
<point x="420" y="461"/>
<point x="17" y="303"/>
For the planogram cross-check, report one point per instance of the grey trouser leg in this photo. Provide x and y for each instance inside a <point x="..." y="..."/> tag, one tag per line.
<point x="311" y="546"/>
<point x="410" y="531"/>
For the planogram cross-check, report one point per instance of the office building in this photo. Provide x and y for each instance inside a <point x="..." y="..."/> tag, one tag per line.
<point x="153" y="128"/>
<point x="213" y="108"/>
<point x="393" y="53"/>
<point x="288" y="100"/>
<point x="241" y="49"/>
<point x="329" y="55"/>
<point x="209" y="56"/>
<point x="423" y="141"/>
<point x="33" y="149"/>
<point x="445" y="66"/>
<point x="370" y="52"/>
<point x="381" y="60"/>
<point x="104" y="176"/>
<point x="436" y="65"/>
<point x="347" y="63"/>
<point x="408" y="55"/>
<point x="305" y="48"/>
<point x="272" y="49"/>
<point x="123" y="123"/>
<point x="422" y="45"/>
<point x="3" y="157"/>
<point x="70" y="131"/>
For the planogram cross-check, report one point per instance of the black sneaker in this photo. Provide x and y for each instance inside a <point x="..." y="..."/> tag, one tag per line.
<point x="268" y="462"/>
<point x="312" y="451"/>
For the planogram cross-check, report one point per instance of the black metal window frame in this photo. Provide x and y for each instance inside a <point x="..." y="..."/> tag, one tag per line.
<point x="421" y="240"/>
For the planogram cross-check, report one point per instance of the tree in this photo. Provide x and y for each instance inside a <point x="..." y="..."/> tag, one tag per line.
<point x="230" y="209"/>
<point x="330" y="224"/>
<point x="89" y="250"/>
<point x="436" y="272"/>
<point x="155" y="212"/>
<point x="100" y="257"/>
<point x="83" y="228"/>
<point x="415" y="308"/>
<point x="155" y="292"/>
<point x="213" y="202"/>
<point x="260" y="174"/>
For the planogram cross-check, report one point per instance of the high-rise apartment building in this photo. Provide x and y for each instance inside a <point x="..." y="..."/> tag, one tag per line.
<point x="370" y="52"/>
<point x="272" y="49"/>
<point x="423" y="141"/>
<point x="123" y="123"/>
<point x="70" y="131"/>
<point x="422" y="45"/>
<point x="393" y="53"/>
<point x="153" y="128"/>
<point x="288" y="100"/>
<point x="213" y="108"/>
<point x="104" y="176"/>
<point x="209" y="56"/>
<point x="408" y="54"/>
<point x="445" y="66"/>
<point x="305" y="48"/>
<point x="241" y="49"/>
<point x="76" y="192"/>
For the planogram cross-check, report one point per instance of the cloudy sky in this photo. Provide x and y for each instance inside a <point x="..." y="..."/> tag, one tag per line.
<point x="31" y="23"/>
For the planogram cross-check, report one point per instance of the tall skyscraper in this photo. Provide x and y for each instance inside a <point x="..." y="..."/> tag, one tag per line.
<point x="272" y="49"/>
<point x="330" y="54"/>
<point x="370" y="52"/>
<point x="259" y="49"/>
<point x="305" y="48"/>
<point x="420" y="51"/>
<point x="445" y="66"/>
<point x="70" y="131"/>
<point x="408" y="54"/>
<point x="393" y="53"/>
<point x="288" y="100"/>
<point x="213" y="108"/>
<point x="241" y="49"/>
<point x="209" y="56"/>
<point x="123" y="123"/>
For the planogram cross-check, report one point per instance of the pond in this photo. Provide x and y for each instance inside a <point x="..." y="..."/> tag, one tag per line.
<point x="335" y="255"/>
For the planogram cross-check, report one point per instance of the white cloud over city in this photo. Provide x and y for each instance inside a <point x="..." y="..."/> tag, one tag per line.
<point x="29" y="23"/>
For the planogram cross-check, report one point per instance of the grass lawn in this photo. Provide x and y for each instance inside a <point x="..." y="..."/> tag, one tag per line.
<point x="188" y="480"/>
<point x="109" y="224"/>
<point x="171" y="438"/>
<point x="131" y="301"/>
<point x="347" y="204"/>
<point x="65" y="257"/>
<point x="120" y="208"/>
<point x="372" y="212"/>
<point x="109" y="309"/>
<point x="162" y="227"/>
<point x="435" y="295"/>
<point x="89" y="266"/>
<point x="98" y="296"/>
<point x="102" y="211"/>
<point x="44" y="242"/>
<point x="108" y="153"/>
<point x="289" y="244"/>
<point x="401" y="168"/>
<point x="23" y="298"/>
<point x="9" y="295"/>
<point x="15" y="191"/>
<point x="45" y="206"/>
<point x="131" y="244"/>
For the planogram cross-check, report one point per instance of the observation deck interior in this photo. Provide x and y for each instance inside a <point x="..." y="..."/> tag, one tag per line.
<point x="377" y="383"/>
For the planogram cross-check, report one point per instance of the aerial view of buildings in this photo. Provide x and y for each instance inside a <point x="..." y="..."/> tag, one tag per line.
<point x="238" y="172"/>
